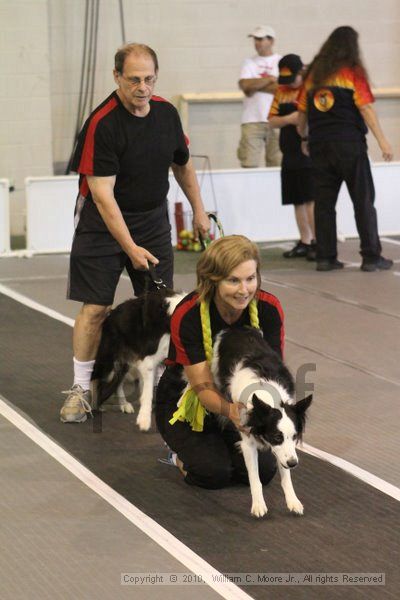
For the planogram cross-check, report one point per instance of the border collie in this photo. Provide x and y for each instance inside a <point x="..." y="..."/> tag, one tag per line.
<point x="247" y="370"/>
<point x="134" y="341"/>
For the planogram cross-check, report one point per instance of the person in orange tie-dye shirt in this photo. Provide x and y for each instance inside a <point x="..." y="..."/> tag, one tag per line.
<point x="335" y="106"/>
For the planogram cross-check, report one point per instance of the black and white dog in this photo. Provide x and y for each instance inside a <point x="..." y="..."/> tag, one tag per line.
<point x="134" y="342"/>
<point x="247" y="370"/>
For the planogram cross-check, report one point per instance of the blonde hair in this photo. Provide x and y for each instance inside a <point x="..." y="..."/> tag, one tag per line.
<point x="219" y="260"/>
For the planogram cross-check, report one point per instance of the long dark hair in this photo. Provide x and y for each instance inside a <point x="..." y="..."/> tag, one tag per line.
<point x="341" y="49"/>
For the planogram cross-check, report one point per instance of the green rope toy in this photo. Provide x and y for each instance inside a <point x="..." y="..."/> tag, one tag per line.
<point x="190" y="408"/>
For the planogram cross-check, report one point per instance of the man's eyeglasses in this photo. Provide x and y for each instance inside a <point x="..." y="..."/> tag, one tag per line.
<point x="135" y="81"/>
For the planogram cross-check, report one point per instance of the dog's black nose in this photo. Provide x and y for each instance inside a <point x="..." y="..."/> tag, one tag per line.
<point x="292" y="463"/>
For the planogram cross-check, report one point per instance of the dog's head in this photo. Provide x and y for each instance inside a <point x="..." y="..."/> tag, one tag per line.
<point x="279" y="428"/>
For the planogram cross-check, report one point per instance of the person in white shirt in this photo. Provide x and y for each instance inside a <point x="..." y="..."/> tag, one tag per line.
<point x="258" y="81"/>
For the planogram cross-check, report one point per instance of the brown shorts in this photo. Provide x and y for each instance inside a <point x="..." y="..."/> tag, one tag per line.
<point x="256" y="139"/>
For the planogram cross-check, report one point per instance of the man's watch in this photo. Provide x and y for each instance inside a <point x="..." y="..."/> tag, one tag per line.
<point x="304" y="139"/>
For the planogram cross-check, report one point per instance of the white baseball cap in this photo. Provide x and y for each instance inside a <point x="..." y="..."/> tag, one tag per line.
<point x="262" y="31"/>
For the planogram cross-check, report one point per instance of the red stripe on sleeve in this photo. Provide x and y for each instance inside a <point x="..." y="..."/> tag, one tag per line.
<point x="159" y="99"/>
<point x="86" y="162"/>
<point x="176" y="320"/>
<point x="84" y="188"/>
<point x="273" y="300"/>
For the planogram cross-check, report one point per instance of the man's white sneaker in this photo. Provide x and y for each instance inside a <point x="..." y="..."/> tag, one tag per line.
<point x="77" y="405"/>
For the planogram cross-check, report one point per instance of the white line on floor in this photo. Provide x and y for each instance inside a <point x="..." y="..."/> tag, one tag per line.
<point x="32" y="278"/>
<point x="344" y="362"/>
<point x="150" y="527"/>
<point x="326" y="295"/>
<point x="373" y="480"/>
<point x="35" y="305"/>
<point x="348" y="264"/>
<point x="390" y="241"/>
<point x="281" y="245"/>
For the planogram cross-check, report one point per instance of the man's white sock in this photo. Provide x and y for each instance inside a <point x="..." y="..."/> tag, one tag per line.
<point x="83" y="373"/>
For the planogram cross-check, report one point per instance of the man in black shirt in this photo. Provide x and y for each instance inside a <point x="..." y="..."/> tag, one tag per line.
<point x="123" y="157"/>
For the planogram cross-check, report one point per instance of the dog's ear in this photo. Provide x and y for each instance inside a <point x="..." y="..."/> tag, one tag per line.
<point x="260" y="407"/>
<point x="299" y="410"/>
<point x="302" y="405"/>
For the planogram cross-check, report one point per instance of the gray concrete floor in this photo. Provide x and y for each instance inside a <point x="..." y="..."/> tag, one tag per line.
<point x="62" y="553"/>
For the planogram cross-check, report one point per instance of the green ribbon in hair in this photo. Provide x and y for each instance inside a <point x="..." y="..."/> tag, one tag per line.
<point x="190" y="408"/>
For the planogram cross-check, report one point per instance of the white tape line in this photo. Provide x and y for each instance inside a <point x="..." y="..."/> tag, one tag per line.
<point x="32" y="278"/>
<point x="35" y="305"/>
<point x="390" y="241"/>
<point x="366" y="476"/>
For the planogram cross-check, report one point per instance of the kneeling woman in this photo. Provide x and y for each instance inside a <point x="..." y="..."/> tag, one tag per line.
<point x="228" y="295"/>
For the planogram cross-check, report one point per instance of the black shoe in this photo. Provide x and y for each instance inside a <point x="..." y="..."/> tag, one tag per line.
<point x="329" y="264"/>
<point x="300" y="250"/>
<point x="312" y="251"/>
<point x="380" y="264"/>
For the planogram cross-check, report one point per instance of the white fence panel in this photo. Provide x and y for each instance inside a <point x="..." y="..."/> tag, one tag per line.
<point x="248" y="201"/>
<point x="50" y="203"/>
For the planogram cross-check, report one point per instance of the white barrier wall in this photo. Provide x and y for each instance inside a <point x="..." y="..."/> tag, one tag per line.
<point x="4" y="216"/>
<point x="248" y="201"/>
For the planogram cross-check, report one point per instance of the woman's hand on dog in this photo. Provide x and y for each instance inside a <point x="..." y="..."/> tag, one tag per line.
<point x="236" y="415"/>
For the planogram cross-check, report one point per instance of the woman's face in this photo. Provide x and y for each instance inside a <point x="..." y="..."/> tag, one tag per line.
<point x="238" y="289"/>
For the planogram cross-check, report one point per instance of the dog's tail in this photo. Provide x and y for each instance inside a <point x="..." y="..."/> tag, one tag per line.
<point x="108" y="387"/>
<point x="108" y="372"/>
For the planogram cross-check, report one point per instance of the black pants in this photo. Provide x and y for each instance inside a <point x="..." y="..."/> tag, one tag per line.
<point x="210" y="457"/>
<point x="336" y="162"/>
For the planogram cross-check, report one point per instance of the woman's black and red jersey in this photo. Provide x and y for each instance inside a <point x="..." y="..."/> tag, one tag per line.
<point x="137" y="150"/>
<point x="186" y="346"/>
<point x="333" y="108"/>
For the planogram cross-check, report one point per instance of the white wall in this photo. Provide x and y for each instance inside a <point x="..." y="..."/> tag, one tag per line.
<point x="25" y="118"/>
<point x="201" y="45"/>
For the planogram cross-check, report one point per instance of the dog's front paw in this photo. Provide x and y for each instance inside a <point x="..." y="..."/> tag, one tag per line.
<point x="294" y="505"/>
<point x="143" y="421"/>
<point x="259" y="508"/>
<point x="127" y="408"/>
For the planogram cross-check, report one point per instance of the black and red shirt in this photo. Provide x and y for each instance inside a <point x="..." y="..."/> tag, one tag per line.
<point x="285" y="102"/>
<point x="187" y="348"/>
<point x="137" y="150"/>
<point x="333" y="108"/>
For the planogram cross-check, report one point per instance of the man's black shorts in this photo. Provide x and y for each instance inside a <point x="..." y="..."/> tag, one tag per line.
<point x="97" y="260"/>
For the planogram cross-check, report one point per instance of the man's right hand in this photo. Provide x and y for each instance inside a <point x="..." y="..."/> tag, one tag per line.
<point x="140" y="258"/>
